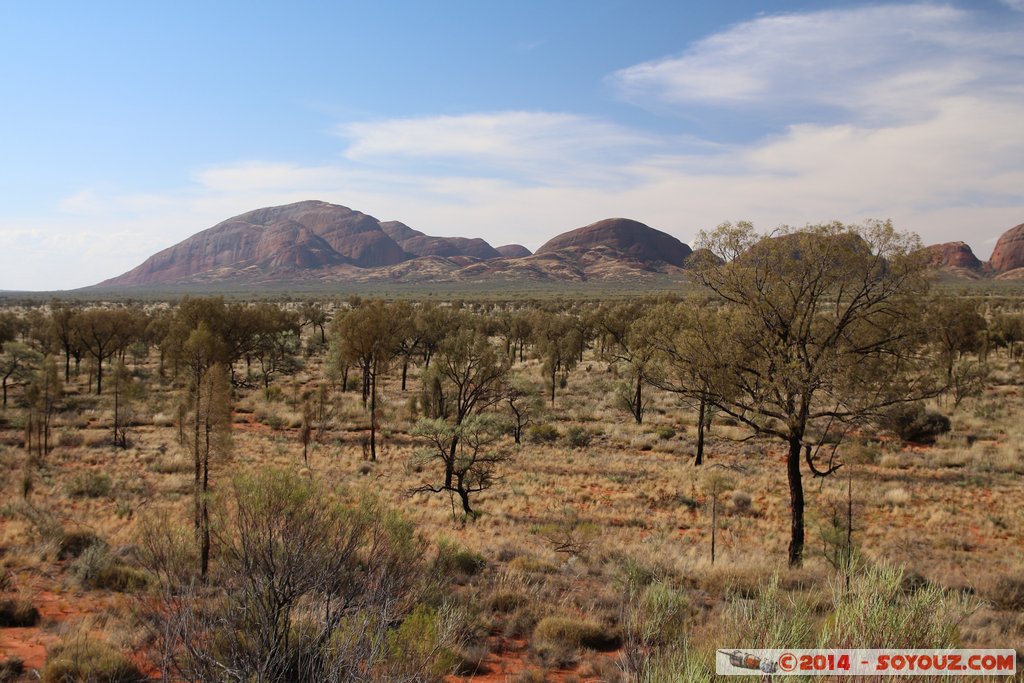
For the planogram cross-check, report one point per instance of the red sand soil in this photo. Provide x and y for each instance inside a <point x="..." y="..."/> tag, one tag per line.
<point x="29" y="643"/>
<point x="509" y="657"/>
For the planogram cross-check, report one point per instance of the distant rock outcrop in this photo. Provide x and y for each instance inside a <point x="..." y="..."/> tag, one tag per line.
<point x="317" y="241"/>
<point x="513" y="251"/>
<point x="952" y="255"/>
<point x="1009" y="252"/>
<point x="621" y="237"/>
<point x="301" y="236"/>
<point x="418" y="244"/>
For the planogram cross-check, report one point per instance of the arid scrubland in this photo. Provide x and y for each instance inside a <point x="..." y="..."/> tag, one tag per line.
<point x="363" y="490"/>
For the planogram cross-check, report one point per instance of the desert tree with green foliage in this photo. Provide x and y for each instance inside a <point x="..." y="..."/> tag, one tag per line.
<point x="465" y="381"/>
<point x="674" y="331"/>
<point x="625" y="343"/>
<point x="65" y="333"/>
<point x="103" y="334"/>
<point x="42" y="394"/>
<point x="369" y="336"/>
<point x="818" y="329"/>
<point x="523" y="400"/>
<point x="557" y="344"/>
<point x="17" y="363"/>
<point x="128" y="392"/>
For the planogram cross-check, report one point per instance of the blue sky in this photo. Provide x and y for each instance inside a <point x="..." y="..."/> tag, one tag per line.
<point x="125" y="127"/>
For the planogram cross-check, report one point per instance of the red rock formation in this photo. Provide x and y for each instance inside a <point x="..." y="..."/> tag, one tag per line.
<point x="513" y="251"/>
<point x="418" y="244"/>
<point x="1009" y="252"/>
<point x="621" y="237"/>
<point x="315" y="240"/>
<point x="952" y="255"/>
<point x="298" y="236"/>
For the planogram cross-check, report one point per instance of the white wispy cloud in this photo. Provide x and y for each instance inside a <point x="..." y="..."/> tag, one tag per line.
<point x="876" y="62"/>
<point x="529" y="143"/>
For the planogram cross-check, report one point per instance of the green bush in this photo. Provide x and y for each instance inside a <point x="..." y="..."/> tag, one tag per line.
<point x="73" y="543"/>
<point x="911" y="422"/>
<point x="877" y="612"/>
<point x="420" y="638"/>
<point x="577" y="437"/>
<point x="11" y="669"/>
<point x="527" y="564"/>
<point x="507" y="601"/>
<point x="83" y="659"/>
<point x="18" y="612"/>
<point x="97" y="568"/>
<point x="665" y="433"/>
<point x="573" y="632"/>
<point x="542" y="433"/>
<point x="861" y="453"/>
<point x="454" y="559"/>
<point x="90" y="485"/>
<point x="1008" y="593"/>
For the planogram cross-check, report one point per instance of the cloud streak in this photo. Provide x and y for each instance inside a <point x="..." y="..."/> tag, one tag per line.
<point x="876" y="63"/>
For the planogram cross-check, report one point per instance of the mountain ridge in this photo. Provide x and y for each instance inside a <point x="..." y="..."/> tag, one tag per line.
<point x="315" y="240"/>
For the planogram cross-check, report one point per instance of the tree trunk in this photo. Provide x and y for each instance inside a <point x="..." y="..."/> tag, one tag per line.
<point x="449" y="467"/>
<point x="699" y="460"/>
<point x="373" y="414"/>
<point x="405" y="371"/>
<point x="464" y="496"/>
<point x="638" y="405"/>
<point x="554" y="369"/>
<point x="796" y="498"/>
<point x="117" y="410"/>
<point x="366" y="383"/>
<point x="205" y="549"/>
<point x="99" y="375"/>
<point x="196" y="454"/>
<point x="67" y="364"/>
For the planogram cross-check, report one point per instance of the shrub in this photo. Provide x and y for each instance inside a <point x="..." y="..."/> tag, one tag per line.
<point x="527" y="564"/>
<point x="542" y="433"/>
<point x="420" y="638"/>
<point x="70" y="439"/>
<point x="97" y="568"/>
<point x="911" y="422"/>
<point x="18" y="612"/>
<point x="83" y="659"/>
<point x="860" y="453"/>
<point x="172" y="465"/>
<point x="577" y="437"/>
<point x="1008" y="593"/>
<point x="878" y="613"/>
<point x="12" y="669"/>
<point x="90" y="485"/>
<point x="507" y="601"/>
<point x="741" y="501"/>
<point x="452" y="559"/>
<point x="356" y="554"/>
<point x="665" y="433"/>
<point x="573" y="632"/>
<point x="73" y="543"/>
<point x="522" y="620"/>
